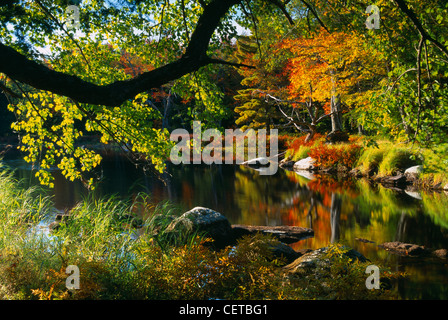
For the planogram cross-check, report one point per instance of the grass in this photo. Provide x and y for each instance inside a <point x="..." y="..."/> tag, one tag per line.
<point x="379" y="157"/>
<point x="98" y="238"/>
<point x="396" y="159"/>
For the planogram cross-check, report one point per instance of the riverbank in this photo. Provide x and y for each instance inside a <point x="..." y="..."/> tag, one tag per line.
<point x="399" y="165"/>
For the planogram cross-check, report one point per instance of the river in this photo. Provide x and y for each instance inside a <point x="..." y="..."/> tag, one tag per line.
<point x="343" y="210"/>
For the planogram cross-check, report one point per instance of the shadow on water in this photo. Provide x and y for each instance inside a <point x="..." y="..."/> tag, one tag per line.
<point x="337" y="209"/>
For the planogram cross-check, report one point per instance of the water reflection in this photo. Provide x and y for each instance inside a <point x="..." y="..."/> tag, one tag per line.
<point x="337" y="209"/>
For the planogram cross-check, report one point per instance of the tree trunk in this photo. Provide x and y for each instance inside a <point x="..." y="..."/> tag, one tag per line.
<point x="311" y="134"/>
<point x="336" y="123"/>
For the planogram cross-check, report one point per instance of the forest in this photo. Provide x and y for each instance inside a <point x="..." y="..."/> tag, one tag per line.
<point x="357" y="86"/>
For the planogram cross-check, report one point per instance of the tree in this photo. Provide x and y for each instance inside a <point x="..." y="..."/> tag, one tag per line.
<point x="411" y="104"/>
<point x="90" y="83"/>
<point x="254" y="110"/>
<point x="332" y="69"/>
<point x="72" y="90"/>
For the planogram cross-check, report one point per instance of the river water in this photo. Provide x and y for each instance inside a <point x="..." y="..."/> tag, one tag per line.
<point x="343" y="210"/>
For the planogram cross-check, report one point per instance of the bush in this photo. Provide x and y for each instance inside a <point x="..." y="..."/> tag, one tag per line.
<point x="299" y="149"/>
<point x="327" y="156"/>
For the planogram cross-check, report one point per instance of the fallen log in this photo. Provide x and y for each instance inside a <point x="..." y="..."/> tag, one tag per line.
<point x="285" y="234"/>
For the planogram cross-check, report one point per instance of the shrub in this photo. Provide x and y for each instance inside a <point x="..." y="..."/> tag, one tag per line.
<point x="299" y="149"/>
<point x="327" y="156"/>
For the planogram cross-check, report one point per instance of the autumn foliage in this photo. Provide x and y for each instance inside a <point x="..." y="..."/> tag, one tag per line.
<point x="331" y="155"/>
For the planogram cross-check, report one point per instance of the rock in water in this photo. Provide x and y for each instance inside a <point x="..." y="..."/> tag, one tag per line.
<point x="405" y="248"/>
<point x="203" y="221"/>
<point x="304" y="164"/>
<point x="286" y="234"/>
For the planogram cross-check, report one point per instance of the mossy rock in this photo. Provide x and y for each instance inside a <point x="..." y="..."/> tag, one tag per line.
<point x="317" y="259"/>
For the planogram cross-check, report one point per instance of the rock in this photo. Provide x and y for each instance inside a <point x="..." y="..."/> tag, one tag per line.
<point x="204" y="221"/>
<point x="355" y="173"/>
<point x="413" y="173"/>
<point x="304" y="164"/>
<point x="314" y="259"/>
<point x="441" y="253"/>
<point x="286" y="164"/>
<point x="394" y="181"/>
<point x="405" y="248"/>
<point x="286" y="234"/>
<point x="282" y="251"/>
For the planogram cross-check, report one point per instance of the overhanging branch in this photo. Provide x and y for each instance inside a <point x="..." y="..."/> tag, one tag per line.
<point x="39" y="76"/>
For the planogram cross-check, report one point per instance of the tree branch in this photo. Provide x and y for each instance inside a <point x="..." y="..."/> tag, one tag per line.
<point x="39" y="76"/>
<point x="310" y="8"/>
<point x="411" y="15"/>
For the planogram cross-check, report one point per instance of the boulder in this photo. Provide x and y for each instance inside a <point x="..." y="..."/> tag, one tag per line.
<point x="405" y="248"/>
<point x="304" y="164"/>
<point x="393" y="181"/>
<point x="441" y="253"/>
<point x="316" y="259"/>
<point x="288" y="164"/>
<point x="413" y="173"/>
<point x="286" y="234"/>
<point x="282" y="251"/>
<point x="203" y="221"/>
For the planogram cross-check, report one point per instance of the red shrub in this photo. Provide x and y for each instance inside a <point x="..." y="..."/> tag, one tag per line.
<point x="296" y="143"/>
<point x="328" y="156"/>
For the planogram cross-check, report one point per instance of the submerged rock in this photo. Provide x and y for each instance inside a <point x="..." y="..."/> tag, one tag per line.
<point x="405" y="248"/>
